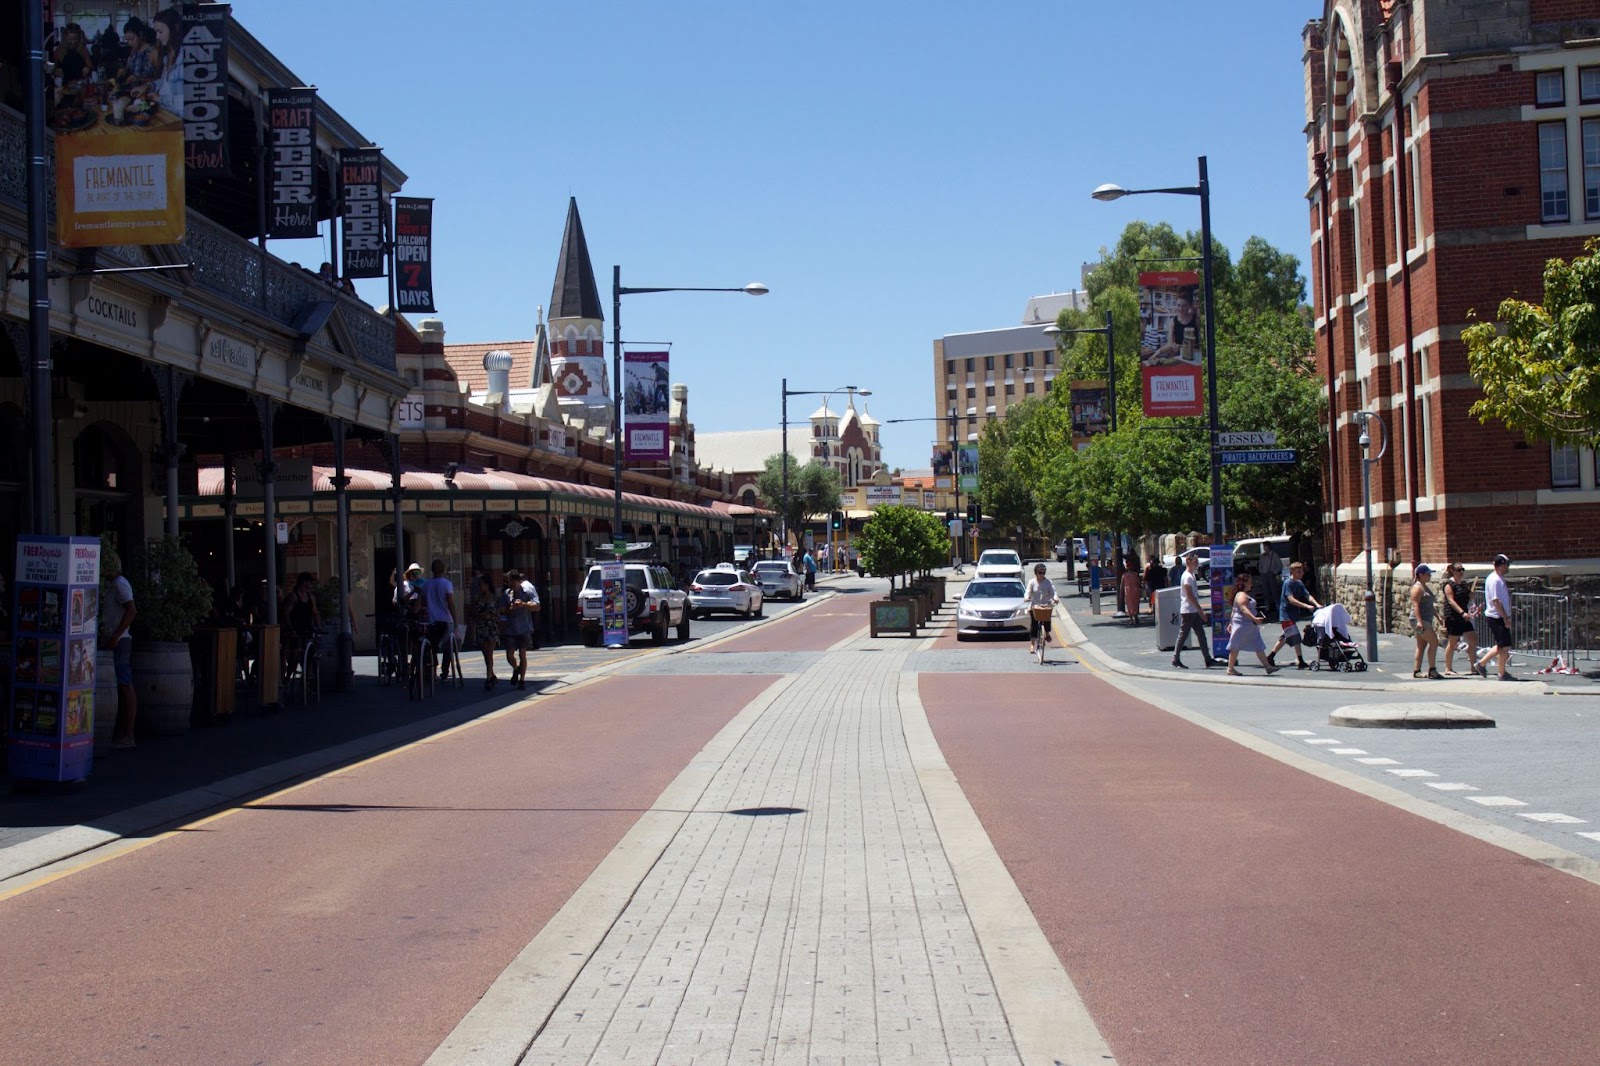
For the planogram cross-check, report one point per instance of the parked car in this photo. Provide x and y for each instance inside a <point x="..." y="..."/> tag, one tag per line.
<point x="654" y="604"/>
<point x="992" y="605"/>
<point x="1000" y="562"/>
<point x="778" y="579"/>
<point x="725" y="589"/>
<point x="1070" y="547"/>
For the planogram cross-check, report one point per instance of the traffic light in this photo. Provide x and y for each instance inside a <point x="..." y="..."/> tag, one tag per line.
<point x="838" y="520"/>
<point x="974" y="513"/>
<point x="949" y="517"/>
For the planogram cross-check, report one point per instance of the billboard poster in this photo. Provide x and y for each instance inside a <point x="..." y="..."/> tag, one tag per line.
<point x="1221" y="598"/>
<point x="361" y="211"/>
<point x="646" y="394"/>
<point x="119" y="136"/>
<point x="1171" y="343"/>
<point x="1090" y="404"/>
<point x="201" y="69"/>
<point x="413" y="254"/>
<point x="57" y="590"/>
<point x="614" y="602"/>
<point x="292" y="165"/>
<point x="967" y="467"/>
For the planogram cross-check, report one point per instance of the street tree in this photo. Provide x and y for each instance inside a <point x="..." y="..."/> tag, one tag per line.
<point x="898" y="541"/>
<point x="1540" y="370"/>
<point x="813" y="489"/>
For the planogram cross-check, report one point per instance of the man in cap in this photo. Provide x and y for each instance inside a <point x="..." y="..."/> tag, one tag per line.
<point x="520" y="605"/>
<point x="1497" y="609"/>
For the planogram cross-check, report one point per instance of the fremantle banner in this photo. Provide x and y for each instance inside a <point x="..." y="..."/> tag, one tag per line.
<point x="203" y="61"/>
<point x="1171" y="344"/>
<point x="292" y="188"/>
<point x="413" y="254"/>
<point x="646" y="404"/>
<point x="361" y="208"/>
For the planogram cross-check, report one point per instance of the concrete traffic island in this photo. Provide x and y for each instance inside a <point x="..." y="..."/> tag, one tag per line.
<point x="1410" y="716"/>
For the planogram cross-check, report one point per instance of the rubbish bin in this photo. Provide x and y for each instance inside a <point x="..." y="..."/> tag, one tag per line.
<point x="1169" y="602"/>
<point x="214" y="649"/>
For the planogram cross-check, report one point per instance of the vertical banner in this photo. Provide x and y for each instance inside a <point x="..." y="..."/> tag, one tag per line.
<point x="1171" y="343"/>
<point x="413" y="254"/>
<point x="202" y="72"/>
<point x="967" y="467"/>
<point x="1089" y="407"/>
<point x="361" y="210"/>
<point x="614" y="602"/>
<point x="52" y="686"/>
<point x="646" y="391"/>
<point x="292" y="164"/>
<point x="1221" y="598"/>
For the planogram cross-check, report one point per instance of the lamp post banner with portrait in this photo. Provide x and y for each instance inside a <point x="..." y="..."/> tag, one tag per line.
<point x="1089" y="408"/>
<point x="646" y="395"/>
<point x="1171" y="343"/>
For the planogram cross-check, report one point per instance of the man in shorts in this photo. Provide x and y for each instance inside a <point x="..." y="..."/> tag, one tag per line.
<point x="116" y="615"/>
<point x="1497" y="610"/>
<point x="520" y="604"/>
<point x="1295" y="605"/>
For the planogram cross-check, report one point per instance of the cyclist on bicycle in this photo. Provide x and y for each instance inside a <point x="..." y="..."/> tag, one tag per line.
<point x="1041" y="593"/>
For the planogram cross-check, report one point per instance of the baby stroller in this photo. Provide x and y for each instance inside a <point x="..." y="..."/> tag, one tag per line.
<point x="1329" y="631"/>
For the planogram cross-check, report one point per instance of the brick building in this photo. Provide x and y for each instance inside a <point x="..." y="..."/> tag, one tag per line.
<point x="1447" y="145"/>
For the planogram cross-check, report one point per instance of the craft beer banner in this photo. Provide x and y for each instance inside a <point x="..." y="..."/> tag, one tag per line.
<point x="647" y="390"/>
<point x="413" y="254"/>
<point x="203" y="59"/>
<point x="361" y="202"/>
<point x="1171" y="343"/>
<point x="292" y="192"/>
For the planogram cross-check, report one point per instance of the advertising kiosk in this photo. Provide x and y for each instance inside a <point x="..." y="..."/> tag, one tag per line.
<point x="56" y="605"/>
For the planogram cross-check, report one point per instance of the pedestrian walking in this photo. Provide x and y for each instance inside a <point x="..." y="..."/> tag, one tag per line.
<point x="485" y="611"/>
<point x="1155" y="579"/>
<point x="1130" y="588"/>
<point x="810" y="564"/>
<point x="519" y="602"/>
<point x="1295" y="605"/>
<point x="1191" y="614"/>
<point x="1244" y="628"/>
<point x="1459" y="612"/>
<point x="1422" y="627"/>
<point x="117" y="612"/>
<point x="1497" y="610"/>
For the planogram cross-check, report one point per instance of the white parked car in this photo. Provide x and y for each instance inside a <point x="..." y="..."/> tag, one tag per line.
<point x="992" y="605"/>
<point x="778" y="579"/>
<point x="1000" y="562"/>
<point x="654" y="604"/>
<point x="725" y="589"/>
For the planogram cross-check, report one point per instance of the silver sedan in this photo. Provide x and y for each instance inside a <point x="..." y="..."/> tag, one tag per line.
<point x="992" y="605"/>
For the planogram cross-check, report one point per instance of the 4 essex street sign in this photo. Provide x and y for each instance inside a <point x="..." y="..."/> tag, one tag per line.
<point x="1275" y="455"/>
<point x="1253" y="439"/>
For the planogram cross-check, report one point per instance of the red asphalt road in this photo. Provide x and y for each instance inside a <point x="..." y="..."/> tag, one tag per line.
<point x="1213" y="905"/>
<point x="356" y="919"/>
<point x="814" y="629"/>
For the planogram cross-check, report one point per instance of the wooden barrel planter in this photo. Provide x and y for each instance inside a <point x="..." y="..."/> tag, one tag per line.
<point x="163" y="681"/>
<point x="105" y="698"/>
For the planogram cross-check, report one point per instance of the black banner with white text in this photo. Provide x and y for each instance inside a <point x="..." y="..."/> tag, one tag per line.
<point x="203" y="60"/>
<point x="413" y="254"/>
<point x="292" y="167"/>
<point x="361" y="202"/>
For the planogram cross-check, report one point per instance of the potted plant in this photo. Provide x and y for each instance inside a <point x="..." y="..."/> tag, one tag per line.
<point x="171" y="600"/>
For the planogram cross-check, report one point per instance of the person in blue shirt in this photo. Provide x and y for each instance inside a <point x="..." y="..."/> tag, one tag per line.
<point x="811" y="572"/>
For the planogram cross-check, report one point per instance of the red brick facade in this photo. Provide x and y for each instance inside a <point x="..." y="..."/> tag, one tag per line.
<point x="1459" y="80"/>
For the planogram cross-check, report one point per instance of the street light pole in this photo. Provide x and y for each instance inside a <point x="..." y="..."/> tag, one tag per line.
<point x="1365" y="440"/>
<point x="955" y="469"/>
<point x="783" y="503"/>
<point x="618" y="291"/>
<point x="1111" y="387"/>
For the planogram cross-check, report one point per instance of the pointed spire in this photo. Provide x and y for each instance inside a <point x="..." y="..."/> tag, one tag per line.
<point x="575" y="294"/>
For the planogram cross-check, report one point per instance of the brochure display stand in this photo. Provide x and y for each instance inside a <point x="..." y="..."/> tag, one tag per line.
<point x="56" y="604"/>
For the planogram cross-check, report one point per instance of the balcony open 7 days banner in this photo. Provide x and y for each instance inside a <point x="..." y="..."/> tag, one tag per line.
<point x="202" y="70"/>
<point x="1171" y="343"/>
<point x="292" y="166"/>
<point x="361" y="208"/>
<point x="413" y="254"/>
<point x="645" y="400"/>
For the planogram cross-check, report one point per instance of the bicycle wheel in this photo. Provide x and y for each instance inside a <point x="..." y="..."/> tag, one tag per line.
<point x="425" y="670"/>
<point x="386" y="664"/>
<point x="313" y="679"/>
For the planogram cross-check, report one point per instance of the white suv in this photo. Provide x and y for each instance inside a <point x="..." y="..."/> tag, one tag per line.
<point x="654" y="604"/>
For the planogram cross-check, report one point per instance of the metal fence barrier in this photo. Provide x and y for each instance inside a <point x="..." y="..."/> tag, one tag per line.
<point x="1541" y="625"/>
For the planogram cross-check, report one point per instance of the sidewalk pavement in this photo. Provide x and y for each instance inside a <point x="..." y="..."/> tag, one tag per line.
<point x="1132" y="650"/>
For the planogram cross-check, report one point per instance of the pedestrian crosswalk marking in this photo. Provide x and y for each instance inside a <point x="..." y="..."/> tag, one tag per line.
<point x="1552" y="819"/>
<point x="1412" y="773"/>
<point x="1451" y="786"/>
<point x="1297" y="732"/>
<point x="1497" y="801"/>
<point x="1380" y="761"/>
<point x="1348" y="751"/>
<point x="1321" y="740"/>
<point x="1591" y="836"/>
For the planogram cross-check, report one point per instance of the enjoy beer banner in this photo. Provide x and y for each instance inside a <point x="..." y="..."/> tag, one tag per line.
<point x="645" y="399"/>
<point x="202" y="70"/>
<point x="361" y="209"/>
<point x="413" y="254"/>
<point x="292" y="166"/>
<point x="1171" y="343"/>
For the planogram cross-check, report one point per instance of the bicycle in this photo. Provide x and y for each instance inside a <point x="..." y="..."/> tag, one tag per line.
<point x="421" y="676"/>
<point x="302" y="673"/>
<point x="1042" y="616"/>
<point x="450" y="660"/>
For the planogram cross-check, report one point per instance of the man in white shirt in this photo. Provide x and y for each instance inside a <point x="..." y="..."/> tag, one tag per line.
<point x="1192" y="614"/>
<point x="1497" y="609"/>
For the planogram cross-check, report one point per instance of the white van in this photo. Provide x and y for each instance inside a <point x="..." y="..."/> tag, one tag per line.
<point x="1247" y="553"/>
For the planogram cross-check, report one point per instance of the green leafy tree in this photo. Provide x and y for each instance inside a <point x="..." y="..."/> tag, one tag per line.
<point x="898" y="541"/>
<point x="169" y="595"/>
<point x="1541" y="375"/>
<point x="813" y="489"/>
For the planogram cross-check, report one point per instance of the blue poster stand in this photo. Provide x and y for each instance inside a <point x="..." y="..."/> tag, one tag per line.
<point x="56" y="605"/>
<point x="1221" y="598"/>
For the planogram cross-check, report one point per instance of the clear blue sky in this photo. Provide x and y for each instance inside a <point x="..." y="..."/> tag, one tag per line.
<point x="893" y="171"/>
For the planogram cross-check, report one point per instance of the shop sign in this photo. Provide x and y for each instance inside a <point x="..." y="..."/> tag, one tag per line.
<point x="224" y="349"/>
<point x="311" y="381"/>
<point x="123" y="316"/>
<point x="292" y="133"/>
<point x="882" y="495"/>
<point x="435" y="506"/>
<point x="361" y="209"/>
<point x="411" y="412"/>
<point x="293" y="479"/>
<point x="203" y="59"/>
<point x="413" y="254"/>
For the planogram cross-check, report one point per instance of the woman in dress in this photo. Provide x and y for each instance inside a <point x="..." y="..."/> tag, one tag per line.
<point x="1458" y="615"/>
<point x="485" y="612"/>
<point x="1422" y="623"/>
<point x="1244" y="630"/>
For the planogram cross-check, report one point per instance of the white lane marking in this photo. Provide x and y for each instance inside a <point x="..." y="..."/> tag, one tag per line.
<point x="1451" y="786"/>
<point x="1412" y="773"/>
<point x="1497" y="801"/>
<point x="1591" y="836"/>
<point x="1552" y="819"/>
<point x="1297" y="732"/>
<point x="1322" y="740"/>
<point x="1380" y="761"/>
<point x="1348" y="751"/>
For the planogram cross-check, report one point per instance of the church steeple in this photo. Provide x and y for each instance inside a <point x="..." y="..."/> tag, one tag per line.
<point x="575" y="294"/>
<point x="577" y="331"/>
